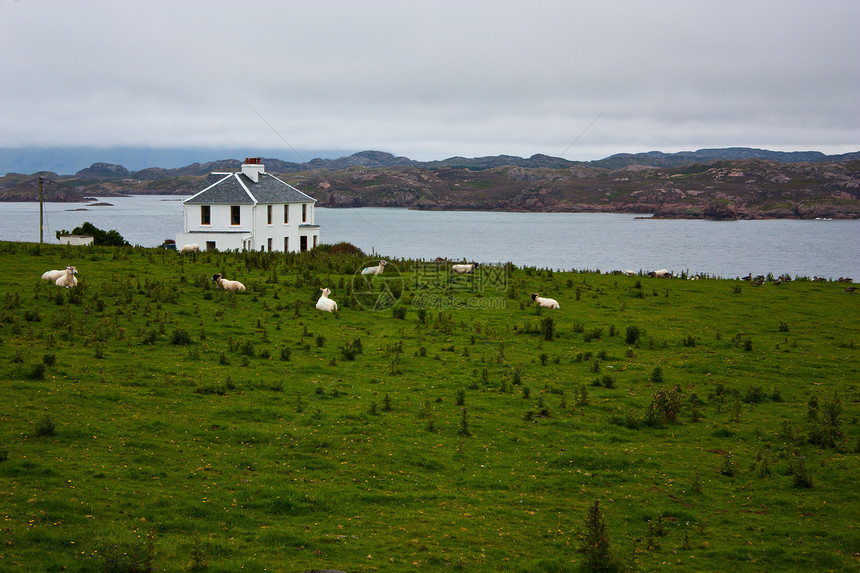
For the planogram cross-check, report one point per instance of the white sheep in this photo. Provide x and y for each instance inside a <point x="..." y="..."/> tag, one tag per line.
<point x="326" y="304"/>
<point x="377" y="270"/>
<point x="68" y="279"/>
<point x="225" y="284"/>
<point x="660" y="274"/>
<point x="189" y="249"/>
<point x="630" y="273"/>
<point x="544" y="302"/>
<point x="54" y="275"/>
<point x="463" y="269"/>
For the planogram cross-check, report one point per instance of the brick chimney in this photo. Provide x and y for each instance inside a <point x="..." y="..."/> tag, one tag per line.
<point x="252" y="169"/>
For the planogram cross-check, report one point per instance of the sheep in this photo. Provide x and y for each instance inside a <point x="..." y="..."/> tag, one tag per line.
<point x="225" y="284"/>
<point x="326" y="304"/>
<point x="54" y="275"/>
<point x="189" y="249"/>
<point x="377" y="270"/>
<point x="67" y="279"/>
<point x="630" y="273"/>
<point x="660" y="274"/>
<point x="463" y="269"/>
<point x="544" y="302"/>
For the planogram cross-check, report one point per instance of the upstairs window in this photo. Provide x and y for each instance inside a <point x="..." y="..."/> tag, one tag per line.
<point x="286" y="214"/>
<point x="235" y="217"/>
<point x="205" y="216"/>
<point x="269" y="215"/>
<point x="304" y="212"/>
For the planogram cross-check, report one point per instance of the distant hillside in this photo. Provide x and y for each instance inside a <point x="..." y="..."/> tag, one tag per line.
<point x="734" y="183"/>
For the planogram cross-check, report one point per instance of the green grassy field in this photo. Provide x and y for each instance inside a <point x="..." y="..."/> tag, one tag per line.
<point x="151" y="422"/>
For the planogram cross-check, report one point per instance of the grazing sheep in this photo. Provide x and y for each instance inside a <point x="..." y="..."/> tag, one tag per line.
<point x="544" y="302"/>
<point x="463" y="269"/>
<point x="189" y="249"/>
<point x="377" y="270"/>
<point x="54" y="275"/>
<point x="225" y="284"/>
<point x="660" y="274"/>
<point x="630" y="273"/>
<point x="68" y="279"/>
<point x="326" y="304"/>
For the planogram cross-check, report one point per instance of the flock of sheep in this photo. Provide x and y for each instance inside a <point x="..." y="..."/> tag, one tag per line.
<point x="326" y="304"/>
<point x="67" y="278"/>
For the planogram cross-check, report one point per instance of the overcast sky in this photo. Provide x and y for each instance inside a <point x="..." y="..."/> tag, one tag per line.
<point x="432" y="79"/>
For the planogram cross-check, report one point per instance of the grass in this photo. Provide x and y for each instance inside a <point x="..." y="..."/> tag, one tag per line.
<point x="176" y="427"/>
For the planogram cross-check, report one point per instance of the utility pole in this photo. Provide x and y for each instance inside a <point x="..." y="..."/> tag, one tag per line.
<point x="41" y="214"/>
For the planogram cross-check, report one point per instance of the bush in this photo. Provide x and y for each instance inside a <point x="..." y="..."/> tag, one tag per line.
<point x="45" y="426"/>
<point x="547" y="328"/>
<point x="594" y="542"/>
<point x="180" y="337"/>
<point x="632" y="335"/>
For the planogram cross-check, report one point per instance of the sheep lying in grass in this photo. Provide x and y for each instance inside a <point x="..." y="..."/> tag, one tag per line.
<point x="68" y="279"/>
<point x="660" y="274"/>
<point x="630" y="273"/>
<point x="326" y="304"/>
<point x="463" y="269"/>
<point x="54" y="275"/>
<point x="189" y="249"/>
<point x="544" y="302"/>
<point x="225" y="284"/>
<point x="377" y="270"/>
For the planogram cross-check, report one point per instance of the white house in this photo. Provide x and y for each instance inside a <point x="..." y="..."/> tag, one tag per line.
<point x="249" y="210"/>
<point x="80" y="240"/>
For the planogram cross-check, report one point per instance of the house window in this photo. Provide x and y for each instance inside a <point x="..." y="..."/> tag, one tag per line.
<point x="269" y="215"/>
<point x="210" y="245"/>
<point x="286" y="244"/>
<point x="270" y="245"/>
<point x="304" y="212"/>
<point x="286" y="214"/>
<point x="303" y="243"/>
<point x="205" y="217"/>
<point x="235" y="218"/>
<point x="315" y="241"/>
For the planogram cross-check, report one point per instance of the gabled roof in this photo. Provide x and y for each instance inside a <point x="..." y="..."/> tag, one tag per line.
<point x="239" y="189"/>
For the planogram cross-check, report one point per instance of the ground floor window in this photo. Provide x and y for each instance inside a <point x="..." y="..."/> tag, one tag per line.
<point x="270" y="245"/>
<point x="315" y="241"/>
<point x="303" y="243"/>
<point x="286" y="244"/>
<point x="210" y="245"/>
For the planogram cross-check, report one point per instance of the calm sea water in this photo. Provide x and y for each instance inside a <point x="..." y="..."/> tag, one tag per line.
<point x="560" y="241"/>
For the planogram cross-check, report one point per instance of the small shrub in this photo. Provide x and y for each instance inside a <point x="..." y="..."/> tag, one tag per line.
<point x="37" y="371"/>
<point x="632" y="335"/>
<point x="180" y="337"/>
<point x="45" y="426"/>
<point x="547" y="328"/>
<point x="594" y="541"/>
<point x="801" y="477"/>
<point x="728" y="467"/>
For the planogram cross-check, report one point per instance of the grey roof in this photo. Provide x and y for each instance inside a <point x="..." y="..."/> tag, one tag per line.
<point x="239" y="189"/>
